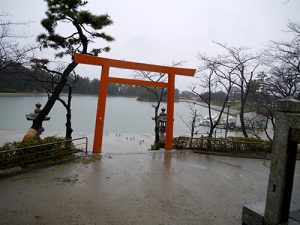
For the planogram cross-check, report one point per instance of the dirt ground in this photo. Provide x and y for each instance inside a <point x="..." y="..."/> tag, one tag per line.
<point x="138" y="188"/>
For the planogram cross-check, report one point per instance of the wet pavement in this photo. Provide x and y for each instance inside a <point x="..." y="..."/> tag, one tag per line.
<point x="138" y="188"/>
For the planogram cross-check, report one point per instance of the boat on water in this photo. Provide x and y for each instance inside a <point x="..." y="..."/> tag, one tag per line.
<point x="206" y="121"/>
<point x="222" y="123"/>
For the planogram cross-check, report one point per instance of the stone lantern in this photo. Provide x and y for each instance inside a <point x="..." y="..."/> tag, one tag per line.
<point x="162" y="117"/>
<point x="32" y="116"/>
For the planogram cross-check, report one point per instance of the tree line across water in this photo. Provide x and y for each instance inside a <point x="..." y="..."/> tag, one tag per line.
<point x="19" y="79"/>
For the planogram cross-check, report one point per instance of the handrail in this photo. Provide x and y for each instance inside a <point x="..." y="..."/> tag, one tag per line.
<point x="52" y="143"/>
<point x="56" y="150"/>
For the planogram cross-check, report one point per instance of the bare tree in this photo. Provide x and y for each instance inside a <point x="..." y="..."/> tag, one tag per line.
<point x="213" y="75"/>
<point x="282" y="78"/>
<point x="157" y="93"/>
<point x="256" y="123"/>
<point x="265" y="107"/>
<point x="48" y="81"/>
<point x="11" y="51"/>
<point x="244" y="67"/>
<point x="193" y="121"/>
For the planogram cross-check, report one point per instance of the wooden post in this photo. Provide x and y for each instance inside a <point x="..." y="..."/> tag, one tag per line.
<point x="98" y="136"/>
<point x="170" y="112"/>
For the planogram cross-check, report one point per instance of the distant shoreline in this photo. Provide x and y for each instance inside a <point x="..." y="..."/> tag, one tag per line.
<point x="25" y="94"/>
<point x="233" y="112"/>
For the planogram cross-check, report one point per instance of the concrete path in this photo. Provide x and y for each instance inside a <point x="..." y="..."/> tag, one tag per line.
<point x="138" y="188"/>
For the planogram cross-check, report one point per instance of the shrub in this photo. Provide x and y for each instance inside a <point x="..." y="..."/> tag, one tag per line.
<point x="34" y="151"/>
<point x="233" y="144"/>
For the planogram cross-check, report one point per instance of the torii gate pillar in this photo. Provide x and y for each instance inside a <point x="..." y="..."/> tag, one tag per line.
<point x="105" y="80"/>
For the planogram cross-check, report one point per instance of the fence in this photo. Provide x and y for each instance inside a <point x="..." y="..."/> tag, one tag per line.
<point x="222" y="145"/>
<point x="43" y="152"/>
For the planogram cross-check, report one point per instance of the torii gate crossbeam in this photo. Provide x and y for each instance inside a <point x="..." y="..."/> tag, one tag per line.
<point x="105" y="80"/>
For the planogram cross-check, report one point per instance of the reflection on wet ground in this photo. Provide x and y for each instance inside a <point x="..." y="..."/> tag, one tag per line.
<point x="177" y="187"/>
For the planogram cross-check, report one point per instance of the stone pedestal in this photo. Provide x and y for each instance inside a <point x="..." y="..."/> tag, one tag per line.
<point x="276" y="209"/>
<point x="253" y="214"/>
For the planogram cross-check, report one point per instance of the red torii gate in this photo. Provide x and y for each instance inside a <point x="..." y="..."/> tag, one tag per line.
<point x="105" y="80"/>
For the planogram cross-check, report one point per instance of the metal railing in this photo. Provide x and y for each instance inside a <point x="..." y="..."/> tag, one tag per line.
<point x="40" y="153"/>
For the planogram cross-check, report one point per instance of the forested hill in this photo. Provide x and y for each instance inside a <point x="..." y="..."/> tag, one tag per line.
<point x="24" y="80"/>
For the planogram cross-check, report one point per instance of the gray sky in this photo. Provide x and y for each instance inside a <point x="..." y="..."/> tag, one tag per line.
<point x="163" y="31"/>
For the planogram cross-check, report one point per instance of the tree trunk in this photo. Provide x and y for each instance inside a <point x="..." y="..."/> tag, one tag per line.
<point x="156" y="128"/>
<point x="69" y="129"/>
<point x="192" y="130"/>
<point x="211" y="131"/>
<point x="266" y="130"/>
<point x="38" y="122"/>
<point x="242" y="120"/>
<point x="243" y="102"/>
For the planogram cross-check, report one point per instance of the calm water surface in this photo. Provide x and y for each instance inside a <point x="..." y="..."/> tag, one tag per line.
<point x="124" y="115"/>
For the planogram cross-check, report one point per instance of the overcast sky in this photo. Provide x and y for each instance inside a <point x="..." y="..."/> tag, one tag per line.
<point x="163" y="31"/>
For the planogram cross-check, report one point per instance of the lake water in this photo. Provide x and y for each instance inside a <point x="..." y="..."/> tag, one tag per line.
<point x="123" y="115"/>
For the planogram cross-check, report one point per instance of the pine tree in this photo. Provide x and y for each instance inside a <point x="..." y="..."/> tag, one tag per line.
<point x="87" y="27"/>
